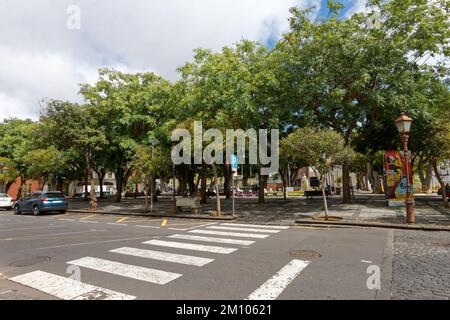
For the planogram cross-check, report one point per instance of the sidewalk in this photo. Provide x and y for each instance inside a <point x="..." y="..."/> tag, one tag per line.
<point x="365" y="210"/>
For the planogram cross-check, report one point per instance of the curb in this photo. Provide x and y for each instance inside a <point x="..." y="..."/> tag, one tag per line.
<point x="158" y="215"/>
<point x="374" y="224"/>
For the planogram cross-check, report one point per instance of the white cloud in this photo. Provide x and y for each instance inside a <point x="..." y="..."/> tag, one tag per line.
<point x="41" y="57"/>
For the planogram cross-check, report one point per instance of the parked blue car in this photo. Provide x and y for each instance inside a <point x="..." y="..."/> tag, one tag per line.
<point x="39" y="202"/>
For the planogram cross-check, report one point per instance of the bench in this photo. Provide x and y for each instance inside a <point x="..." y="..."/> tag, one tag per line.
<point x="273" y="193"/>
<point x="314" y="193"/>
<point x="191" y="202"/>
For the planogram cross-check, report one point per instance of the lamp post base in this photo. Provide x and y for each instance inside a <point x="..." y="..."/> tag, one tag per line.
<point x="410" y="218"/>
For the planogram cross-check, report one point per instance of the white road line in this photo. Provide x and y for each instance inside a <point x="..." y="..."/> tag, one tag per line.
<point x="191" y="246"/>
<point x="177" y="229"/>
<point x="142" y="226"/>
<point x="66" y="288"/>
<point x="117" y="224"/>
<point x="85" y="221"/>
<point x="242" y="229"/>
<point x="126" y="270"/>
<point x="32" y="237"/>
<point x="202" y="225"/>
<point x="164" y="256"/>
<point x="23" y="229"/>
<point x="210" y="239"/>
<point x="232" y="234"/>
<point x="66" y="219"/>
<point x="273" y="287"/>
<point x="255" y="226"/>
<point x="88" y="243"/>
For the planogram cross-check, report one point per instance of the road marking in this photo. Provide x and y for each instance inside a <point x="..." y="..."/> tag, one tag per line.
<point x="273" y="287"/>
<point x="202" y="225"/>
<point x="117" y="224"/>
<point x="88" y="217"/>
<point x="7" y="291"/>
<point x="121" y="220"/>
<point x="67" y="288"/>
<point x="88" y="243"/>
<point x="232" y="234"/>
<point x="254" y="226"/>
<point x="164" y="256"/>
<point x="33" y="228"/>
<point x="191" y="246"/>
<point x="164" y="223"/>
<point x="242" y="229"/>
<point x="37" y="236"/>
<point x="88" y="221"/>
<point x="142" y="226"/>
<point x="209" y="239"/>
<point x="66" y="219"/>
<point x="366" y="261"/>
<point x="126" y="270"/>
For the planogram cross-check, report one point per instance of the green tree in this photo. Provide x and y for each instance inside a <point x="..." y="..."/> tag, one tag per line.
<point x="16" y="141"/>
<point x="322" y="149"/>
<point x="346" y="72"/>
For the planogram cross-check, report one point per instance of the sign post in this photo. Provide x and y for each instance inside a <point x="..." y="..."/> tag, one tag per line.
<point x="234" y="167"/>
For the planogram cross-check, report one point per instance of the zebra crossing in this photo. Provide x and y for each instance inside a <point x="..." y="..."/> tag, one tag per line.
<point x="205" y="240"/>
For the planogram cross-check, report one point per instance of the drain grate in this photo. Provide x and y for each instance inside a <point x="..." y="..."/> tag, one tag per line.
<point x="29" y="261"/>
<point x="305" y="254"/>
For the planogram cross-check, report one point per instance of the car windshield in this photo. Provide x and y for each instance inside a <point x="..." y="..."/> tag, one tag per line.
<point x="2" y="195"/>
<point x="54" y="195"/>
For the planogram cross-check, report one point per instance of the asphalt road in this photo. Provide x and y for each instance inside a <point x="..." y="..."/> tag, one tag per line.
<point x="42" y="257"/>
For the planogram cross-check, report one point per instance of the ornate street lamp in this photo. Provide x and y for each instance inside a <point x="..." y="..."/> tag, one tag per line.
<point x="403" y="124"/>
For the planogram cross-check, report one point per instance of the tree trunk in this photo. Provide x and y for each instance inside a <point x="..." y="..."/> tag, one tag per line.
<point x="203" y="185"/>
<point x="346" y="196"/>
<point x="262" y="181"/>
<point x="285" y="180"/>
<point x="147" y="192"/>
<point x="86" y="182"/>
<point x="92" y="196"/>
<point x="218" y="212"/>
<point x="441" y="182"/>
<point x="420" y="172"/>
<point x="227" y="184"/>
<point x="19" y="192"/>
<point x="324" y="196"/>
<point x="119" y="184"/>
<point x="428" y="178"/>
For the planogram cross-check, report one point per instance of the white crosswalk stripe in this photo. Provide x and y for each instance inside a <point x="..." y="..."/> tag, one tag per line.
<point x="242" y="229"/>
<point x="126" y="270"/>
<point x="66" y="288"/>
<point x="231" y="234"/>
<point x="273" y="287"/>
<point x="211" y="239"/>
<point x="255" y="226"/>
<point x="191" y="246"/>
<point x="164" y="256"/>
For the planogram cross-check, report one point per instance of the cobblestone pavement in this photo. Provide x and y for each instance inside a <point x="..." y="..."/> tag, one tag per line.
<point x="421" y="265"/>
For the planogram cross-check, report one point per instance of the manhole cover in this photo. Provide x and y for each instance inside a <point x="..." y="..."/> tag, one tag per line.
<point x="29" y="261"/>
<point x="304" y="254"/>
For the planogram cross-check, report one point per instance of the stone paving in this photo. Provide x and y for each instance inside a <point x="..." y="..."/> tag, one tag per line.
<point x="421" y="265"/>
<point x="369" y="208"/>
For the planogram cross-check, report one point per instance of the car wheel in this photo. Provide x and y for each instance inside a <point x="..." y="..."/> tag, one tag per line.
<point x="63" y="212"/>
<point x="36" y="210"/>
<point x="17" y="210"/>
<point x="9" y="208"/>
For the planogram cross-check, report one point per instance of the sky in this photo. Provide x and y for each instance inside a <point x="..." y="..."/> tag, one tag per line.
<point x="49" y="47"/>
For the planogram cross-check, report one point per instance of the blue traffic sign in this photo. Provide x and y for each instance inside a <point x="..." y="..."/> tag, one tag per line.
<point x="234" y="161"/>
